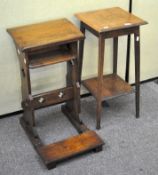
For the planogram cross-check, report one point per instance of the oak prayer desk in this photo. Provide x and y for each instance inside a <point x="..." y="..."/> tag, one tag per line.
<point x="44" y="44"/>
<point x="104" y="24"/>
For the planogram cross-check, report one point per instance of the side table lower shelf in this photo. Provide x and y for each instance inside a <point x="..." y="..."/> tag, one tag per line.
<point x="113" y="86"/>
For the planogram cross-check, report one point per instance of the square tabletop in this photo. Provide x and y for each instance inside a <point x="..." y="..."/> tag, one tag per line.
<point x="109" y="19"/>
<point x="45" y="33"/>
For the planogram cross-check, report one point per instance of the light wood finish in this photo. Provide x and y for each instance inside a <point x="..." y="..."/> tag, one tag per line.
<point x="112" y="85"/>
<point x="70" y="147"/>
<point x="45" y="33"/>
<point x="109" y="19"/>
<point x="110" y="23"/>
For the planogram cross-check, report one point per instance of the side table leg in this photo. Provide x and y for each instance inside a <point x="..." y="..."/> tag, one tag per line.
<point x="99" y="109"/>
<point x="100" y="80"/>
<point x="128" y="59"/>
<point x="80" y="54"/>
<point x="137" y="70"/>
<point x="115" y="55"/>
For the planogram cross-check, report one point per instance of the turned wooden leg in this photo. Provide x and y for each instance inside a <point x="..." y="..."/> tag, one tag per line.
<point x="100" y="80"/>
<point x="137" y="71"/>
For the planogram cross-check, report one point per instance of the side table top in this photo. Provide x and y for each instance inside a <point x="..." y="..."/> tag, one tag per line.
<point x="109" y="19"/>
<point x="45" y="33"/>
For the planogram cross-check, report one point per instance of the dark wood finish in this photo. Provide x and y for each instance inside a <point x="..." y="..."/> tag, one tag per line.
<point x="111" y="23"/>
<point x="12" y="114"/>
<point x="72" y="80"/>
<point x="137" y="70"/>
<point x="115" y="54"/>
<point x="113" y="85"/>
<point x="79" y="125"/>
<point x="128" y="48"/>
<point x="81" y="51"/>
<point x="52" y="97"/>
<point x="35" y="45"/>
<point x="128" y="58"/>
<point x="70" y="147"/>
<point x="32" y="134"/>
<point x="44" y="44"/>
<point x="26" y="87"/>
<point x="84" y="25"/>
<point x="100" y="79"/>
<point x="119" y="32"/>
<point x="76" y="89"/>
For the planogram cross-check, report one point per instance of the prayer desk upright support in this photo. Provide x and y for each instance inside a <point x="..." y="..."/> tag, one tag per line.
<point x="45" y="44"/>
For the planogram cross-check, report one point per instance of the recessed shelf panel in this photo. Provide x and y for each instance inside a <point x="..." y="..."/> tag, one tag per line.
<point x="50" y="57"/>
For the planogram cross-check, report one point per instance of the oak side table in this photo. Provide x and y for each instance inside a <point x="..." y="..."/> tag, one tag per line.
<point x="104" y="24"/>
<point x="44" y="44"/>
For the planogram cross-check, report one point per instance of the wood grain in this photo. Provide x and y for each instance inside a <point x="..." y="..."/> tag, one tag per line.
<point x="45" y="33"/>
<point x="109" y="19"/>
<point x="50" y="57"/>
<point x="70" y="147"/>
<point x="113" y="85"/>
<point x="44" y="44"/>
<point x="52" y="97"/>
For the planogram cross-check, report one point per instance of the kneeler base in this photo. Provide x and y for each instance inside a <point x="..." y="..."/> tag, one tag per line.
<point x="69" y="147"/>
<point x="54" y="153"/>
